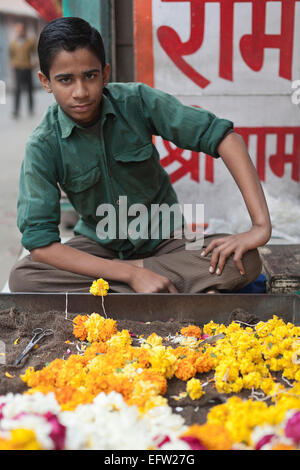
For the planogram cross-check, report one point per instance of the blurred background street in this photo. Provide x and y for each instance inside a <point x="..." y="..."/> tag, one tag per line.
<point x="14" y="133"/>
<point x="13" y="136"/>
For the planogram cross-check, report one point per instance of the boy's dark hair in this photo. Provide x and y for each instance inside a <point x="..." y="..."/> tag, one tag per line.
<point x="68" y="34"/>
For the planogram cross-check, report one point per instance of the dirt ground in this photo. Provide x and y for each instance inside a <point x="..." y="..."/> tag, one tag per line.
<point x="16" y="330"/>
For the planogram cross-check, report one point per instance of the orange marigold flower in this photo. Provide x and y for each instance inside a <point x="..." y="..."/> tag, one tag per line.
<point x="204" y="363"/>
<point x="155" y="378"/>
<point x="191" y="330"/>
<point x="185" y="370"/>
<point x="281" y="446"/>
<point x="79" y="330"/>
<point x="212" y="436"/>
<point x="95" y="349"/>
<point x="142" y="356"/>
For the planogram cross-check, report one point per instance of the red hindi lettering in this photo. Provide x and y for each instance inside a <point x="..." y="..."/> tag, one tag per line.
<point x="281" y="158"/>
<point x="176" y="49"/>
<point x="278" y="160"/>
<point x="187" y="166"/>
<point x="252" y="45"/>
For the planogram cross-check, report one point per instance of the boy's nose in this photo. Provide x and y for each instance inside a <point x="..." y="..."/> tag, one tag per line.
<point x="80" y="91"/>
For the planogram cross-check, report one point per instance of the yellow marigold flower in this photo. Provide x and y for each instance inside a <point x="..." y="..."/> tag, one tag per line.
<point x="213" y="328"/>
<point x="252" y="380"/>
<point x="93" y="324"/>
<point x="194" y="389"/>
<point x="120" y="339"/>
<point x="163" y="360"/>
<point x="237" y="386"/>
<point x="297" y="375"/>
<point x="234" y="327"/>
<point x="154" y="401"/>
<point x="155" y="378"/>
<point x="191" y="330"/>
<point x="21" y="439"/>
<point x="28" y="374"/>
<point x="98" y="328"/>
<point x="99" y="287"/>
<point x="267" y="386"/>
<point x="154" y="340"/>
<point x="145" y="396"/>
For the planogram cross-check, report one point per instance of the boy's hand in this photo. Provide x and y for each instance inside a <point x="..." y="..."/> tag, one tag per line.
<point x="145" y="281"/>
<point x="221" y="248"/>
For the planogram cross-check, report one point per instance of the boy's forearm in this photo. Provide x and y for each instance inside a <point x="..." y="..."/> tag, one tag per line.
<point x="234" y="153"/>
<point x="70" y="259"/>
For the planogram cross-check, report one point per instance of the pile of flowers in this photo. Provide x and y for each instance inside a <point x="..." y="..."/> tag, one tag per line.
<point x="111" y="394"/>
<point x="109" y="362"/>
<point x="35" y="422"/>
<point x="254" y="425"/>
<point x="246" y="357"/>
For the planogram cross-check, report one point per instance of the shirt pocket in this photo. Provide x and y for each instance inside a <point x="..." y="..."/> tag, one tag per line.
<point x="138" y="173"/>
<point x="83" y="191"/>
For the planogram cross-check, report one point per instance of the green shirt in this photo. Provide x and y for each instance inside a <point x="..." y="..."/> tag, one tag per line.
<point x="115" y="157"/>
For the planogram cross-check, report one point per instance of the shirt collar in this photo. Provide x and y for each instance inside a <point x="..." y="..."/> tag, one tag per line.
<point x="67" y="124"/>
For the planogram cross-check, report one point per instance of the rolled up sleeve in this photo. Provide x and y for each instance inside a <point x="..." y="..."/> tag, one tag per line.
<point x="39" y="197"/>
<point x="187" y="127"/>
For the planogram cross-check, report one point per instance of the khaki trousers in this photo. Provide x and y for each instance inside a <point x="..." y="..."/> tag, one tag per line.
<point x="186" y="269"/>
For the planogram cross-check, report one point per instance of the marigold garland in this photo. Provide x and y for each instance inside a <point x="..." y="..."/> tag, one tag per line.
<point x="244" y="358"/>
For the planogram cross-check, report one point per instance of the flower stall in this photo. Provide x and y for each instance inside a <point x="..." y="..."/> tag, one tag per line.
<point x="190" y="380"/>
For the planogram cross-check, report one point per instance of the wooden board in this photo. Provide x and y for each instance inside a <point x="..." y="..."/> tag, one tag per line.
<point x="281" y="268"/>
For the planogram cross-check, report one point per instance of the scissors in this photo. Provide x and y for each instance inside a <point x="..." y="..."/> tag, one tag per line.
<point x="38" y="334"/>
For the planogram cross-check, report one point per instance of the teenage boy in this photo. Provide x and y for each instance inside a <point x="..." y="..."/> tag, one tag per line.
<point x="95" y="143"/>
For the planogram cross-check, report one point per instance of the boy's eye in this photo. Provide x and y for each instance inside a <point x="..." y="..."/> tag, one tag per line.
<point x="90" y="76"/>
<point x="65" y="80"/>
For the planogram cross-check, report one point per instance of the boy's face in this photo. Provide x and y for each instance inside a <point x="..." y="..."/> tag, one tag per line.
<point x="77" y="81"/>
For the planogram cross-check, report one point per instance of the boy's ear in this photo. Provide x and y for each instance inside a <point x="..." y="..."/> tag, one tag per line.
<point x="106" y="74"/>
<point x="45" y="82"/>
